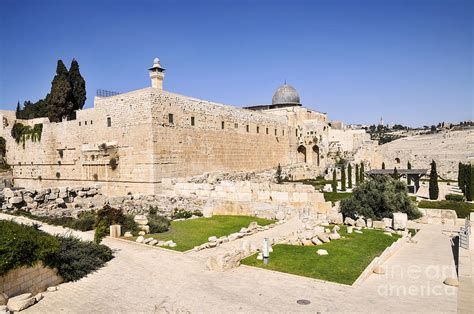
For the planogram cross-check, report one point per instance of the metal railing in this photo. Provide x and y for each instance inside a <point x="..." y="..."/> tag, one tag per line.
<point x="106" y="93"/>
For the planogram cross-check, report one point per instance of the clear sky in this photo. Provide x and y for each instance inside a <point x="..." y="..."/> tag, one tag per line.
<point x="410" y="62"/>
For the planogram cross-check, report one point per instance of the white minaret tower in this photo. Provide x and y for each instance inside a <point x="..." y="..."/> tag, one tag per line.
<point x="157" y="74"/>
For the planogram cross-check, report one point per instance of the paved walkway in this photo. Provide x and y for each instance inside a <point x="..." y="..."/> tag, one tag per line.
<point x="142" y="279"/>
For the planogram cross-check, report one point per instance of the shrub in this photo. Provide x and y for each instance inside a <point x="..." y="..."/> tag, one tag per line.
<point x="378" y="198"/>
<point x="455" y="197"/>
<point x="158" y="224"/>
<point x="180" y="213"/>
<point x="22" y="245"/>
<point x="106" y="216"/>
<point x="129" y="224"/>
<point x="278" y="175"/>
<point x="84" y="222"/>
<point x="77" y="258"/>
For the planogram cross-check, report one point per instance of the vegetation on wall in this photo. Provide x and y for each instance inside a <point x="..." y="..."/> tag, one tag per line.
<point x="22" y="133"/>
<point x="113" y="163"/>
<point x="379" y="198"/>
<point x="67" y="94"/>
<point x="3" y="147"/>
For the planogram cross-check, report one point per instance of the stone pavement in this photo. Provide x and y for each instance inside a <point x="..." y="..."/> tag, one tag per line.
<point x="142" y="279"/>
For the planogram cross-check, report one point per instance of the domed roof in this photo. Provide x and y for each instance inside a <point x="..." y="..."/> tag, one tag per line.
<point x="286" y="95"/>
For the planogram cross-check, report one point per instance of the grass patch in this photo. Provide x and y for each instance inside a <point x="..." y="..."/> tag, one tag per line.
<point x="334" y="197"/>
<point x="318" y="183"/>
<point x="347" y="259"/>
<point x="193" y="232"/>
<point x="463" y="209"/>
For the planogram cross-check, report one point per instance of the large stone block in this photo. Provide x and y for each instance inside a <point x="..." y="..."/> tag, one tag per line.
<point x="400" y="221"/>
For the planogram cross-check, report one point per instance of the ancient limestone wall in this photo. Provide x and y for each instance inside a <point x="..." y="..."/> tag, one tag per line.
<point x="32" y="279"/>
<point x="134" y="129"/>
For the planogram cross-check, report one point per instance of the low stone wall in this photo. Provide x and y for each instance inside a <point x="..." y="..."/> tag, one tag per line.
<point x="29" y="279"/>
<point x="379" y="260"/>
<point x="251" y="198"/>
<point x="438" y="216"/>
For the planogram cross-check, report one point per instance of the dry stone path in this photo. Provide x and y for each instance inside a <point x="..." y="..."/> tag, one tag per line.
<point x="142" y="279"/>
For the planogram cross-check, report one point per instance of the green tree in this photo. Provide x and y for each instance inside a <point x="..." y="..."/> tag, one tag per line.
<point x="78" y="85"/>
<point x="278" y="175"/>
<point x="433" y="186"/>
<point x="383" y="165"/>
<point x="395" y="173"/>
<point x="18" y="111"/>
<point x="379" y="198"/>
<point x="343" y="178"/>
<point x="460" y="175"/>
<point x="357" y="174"/>
<point x="469" y="181"/>
<point x="362" y="174"/>
<point x="408" y="177"/>
<point x="60" y="101"/>
<point x="334" y="181"/>
<point x="349" y="176"/>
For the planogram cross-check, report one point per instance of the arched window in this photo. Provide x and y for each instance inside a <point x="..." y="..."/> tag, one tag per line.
<point x="301" y="154"/>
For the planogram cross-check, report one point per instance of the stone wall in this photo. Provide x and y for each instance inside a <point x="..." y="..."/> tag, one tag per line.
<point x="32" y="279"/>
<point x="134" y="129"/>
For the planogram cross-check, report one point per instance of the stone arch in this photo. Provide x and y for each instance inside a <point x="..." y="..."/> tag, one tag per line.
<point x="301" y="153"/>
<point x="397" y="160"/>
<point x="316" y="154"/>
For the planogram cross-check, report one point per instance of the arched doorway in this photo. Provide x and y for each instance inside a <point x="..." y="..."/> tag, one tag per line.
<point x="301" y="154"/>
<point x="316" y="154"/>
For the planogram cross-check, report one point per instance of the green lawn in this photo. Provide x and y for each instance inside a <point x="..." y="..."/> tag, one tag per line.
<point x="334" y="197"/>
<point x="347" y="257"/>
<point x="318" y="183"/>
<point x="462" y="208"/>
<point x="192" y="232"/>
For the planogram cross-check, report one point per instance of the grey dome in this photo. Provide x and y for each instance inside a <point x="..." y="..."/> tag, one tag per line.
<point x="286" y="95"/>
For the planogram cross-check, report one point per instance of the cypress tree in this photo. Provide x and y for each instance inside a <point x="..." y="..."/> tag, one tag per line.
<point x="408" y="177"/>
<point x="460" y="175"/>
<point x="361" y="179"/>
<point x="343" y="178"/>
<point x="59" y="101"/>
<point x="334" y="181"/>
<point x="349" y="176"/>
<point x="18" y="111"/>
<point x="357" y="174"/>
<point x="433" y="186"/>
<point x="78" y="85"/>
<point x="470" y="182"/>
<point x="278" y="175"/>
<point x="395" y="173"/>
<point x="383" y="165"/>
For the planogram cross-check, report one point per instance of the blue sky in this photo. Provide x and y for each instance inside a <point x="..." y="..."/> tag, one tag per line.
<point x="410" y="62"/>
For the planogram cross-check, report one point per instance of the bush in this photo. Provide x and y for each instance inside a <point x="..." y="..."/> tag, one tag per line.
<point x="22" y="245"/>
<point x="77" y="258"/>
<point x="180" y="213"/>
<point x="84" y="222"/>
<point x="455" y="197"/>
<point x="378" y="198"/>
<point x="113" y="163"/>
<point x="158" y="224"/>
<point x="129" y="225"/>
<point x="106" y="217"/>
